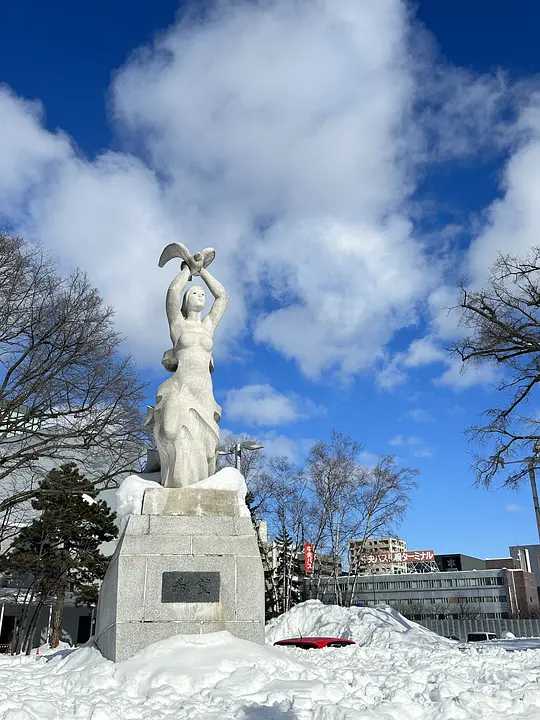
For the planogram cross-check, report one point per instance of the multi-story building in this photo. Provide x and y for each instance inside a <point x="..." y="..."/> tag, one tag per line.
<point x="459" y="593"/>
<point x="377" y="555"/>
<point x="527" y="557"/>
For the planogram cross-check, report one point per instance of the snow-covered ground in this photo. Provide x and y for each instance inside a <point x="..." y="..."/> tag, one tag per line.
<point x="398" y="671"/>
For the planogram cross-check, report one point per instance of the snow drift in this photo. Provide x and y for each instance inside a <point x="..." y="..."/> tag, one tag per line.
<point x="400" y="673"/>
<point x="375" y="627"/>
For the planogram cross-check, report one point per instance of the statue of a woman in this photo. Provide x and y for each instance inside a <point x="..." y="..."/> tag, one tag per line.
<point x="186" y="416"/>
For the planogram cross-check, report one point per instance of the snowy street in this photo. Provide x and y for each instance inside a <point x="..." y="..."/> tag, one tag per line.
<point x="398" y="671"/>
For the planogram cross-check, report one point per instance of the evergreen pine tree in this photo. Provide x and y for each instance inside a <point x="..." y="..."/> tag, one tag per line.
<point x="59" y="550"/>
<point x="287" y="571"/>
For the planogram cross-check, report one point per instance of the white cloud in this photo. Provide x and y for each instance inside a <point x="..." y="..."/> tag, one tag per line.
<point x="27" y="153"/>
<point x="510" y="226"/>
<point x="296" y="139"/>
<point x="420" y="415"/>
<point x="423" y="351"/>
<point x="416" y="446"/>
<point x="460" y="376"/>
<point x="285" y="135"/>
<point x="263" y="405"/>
<point x="279" y="445"/>
<point x="401" y="440"/>
<point x="353" y="287"/>
<point x="513" y="508"/>
<point x="423" y="452"/>
<point x="275" y="444"/>
<point x="368" y="459"/>
<point x="513" y="219"/>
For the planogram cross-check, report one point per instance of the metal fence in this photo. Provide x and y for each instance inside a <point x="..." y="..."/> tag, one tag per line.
<point x="460" y="628"/>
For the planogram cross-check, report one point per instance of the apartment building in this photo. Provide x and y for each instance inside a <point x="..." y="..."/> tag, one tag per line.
<point x="380" y="556"/>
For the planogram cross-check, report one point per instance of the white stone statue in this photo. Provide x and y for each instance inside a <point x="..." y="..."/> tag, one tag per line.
<point x="186" y="416"/>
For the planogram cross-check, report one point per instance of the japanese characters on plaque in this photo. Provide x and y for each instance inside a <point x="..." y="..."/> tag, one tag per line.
<point x="190" y="587"/>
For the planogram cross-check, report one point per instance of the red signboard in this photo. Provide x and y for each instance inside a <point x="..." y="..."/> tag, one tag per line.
<point x="309" y="556"/>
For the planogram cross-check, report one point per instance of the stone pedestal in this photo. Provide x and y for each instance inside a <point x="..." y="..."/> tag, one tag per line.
<point x="188" y="564"/>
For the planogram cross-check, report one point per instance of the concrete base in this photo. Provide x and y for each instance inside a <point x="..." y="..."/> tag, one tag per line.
<point x="131" y="611"/>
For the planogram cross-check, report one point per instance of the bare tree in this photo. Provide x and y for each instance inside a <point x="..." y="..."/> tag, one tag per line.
<point x="66" y="392"/>
<point x="276" y="496"/>
<point x="382" y="501"/>
<point x="503" y="320"/>
<point x="287" y="512"/>
<point x="351" y="501"/>
<point x="261" y="494"/>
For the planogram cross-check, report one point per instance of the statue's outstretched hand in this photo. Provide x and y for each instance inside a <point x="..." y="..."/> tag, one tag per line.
<point x="196" y="263"/>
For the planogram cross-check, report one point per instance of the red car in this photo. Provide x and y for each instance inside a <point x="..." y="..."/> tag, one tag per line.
<point x="315" y="643"/>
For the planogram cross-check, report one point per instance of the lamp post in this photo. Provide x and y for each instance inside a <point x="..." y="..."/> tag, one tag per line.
<point x="531" y="464"/>
<point x="238" y="448"/>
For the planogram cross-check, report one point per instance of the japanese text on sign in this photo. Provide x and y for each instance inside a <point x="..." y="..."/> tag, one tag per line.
<point x="309" y="556"/>
<point x="410" y="556"/>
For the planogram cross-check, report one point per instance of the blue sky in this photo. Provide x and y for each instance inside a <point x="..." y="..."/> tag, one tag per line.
<point x="350" y="162"/>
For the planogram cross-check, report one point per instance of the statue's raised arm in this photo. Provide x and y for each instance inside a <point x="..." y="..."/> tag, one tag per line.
<point x="173" y="303"/>
<point x="221" y="300"/>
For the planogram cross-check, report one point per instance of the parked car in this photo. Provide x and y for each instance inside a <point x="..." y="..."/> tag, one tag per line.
<point x="315" y="643"/>
<point x="481" y="636"/>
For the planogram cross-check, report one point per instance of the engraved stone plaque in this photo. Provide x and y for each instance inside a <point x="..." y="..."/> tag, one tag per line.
<point x="190" y="587"/>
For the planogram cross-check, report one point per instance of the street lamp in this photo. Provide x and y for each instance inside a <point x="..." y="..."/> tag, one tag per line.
<point x="237" y="449"/>
<point x="532" y="463"/>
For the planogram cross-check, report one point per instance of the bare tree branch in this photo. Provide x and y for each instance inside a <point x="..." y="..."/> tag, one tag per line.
<point x="504" y="328"/>
<point x="66" y="392"/>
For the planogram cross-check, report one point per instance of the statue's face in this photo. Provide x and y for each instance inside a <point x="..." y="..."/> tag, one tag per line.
<point x="196" y="299"/>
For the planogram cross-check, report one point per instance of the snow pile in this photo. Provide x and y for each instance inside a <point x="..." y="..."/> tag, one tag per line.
<point x="228" y="479"/>
<point x="219" y="677"/>
<point x="129" y="496"/>
<point x="192" y="664"/>
<point x="375" y="627"/>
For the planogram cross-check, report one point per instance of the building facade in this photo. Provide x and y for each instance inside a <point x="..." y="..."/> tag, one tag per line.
<point x="527" y="557"/>
<point x="459" y="594"/>
<point x="76" y="624"/>
<point x="452" y="562"/>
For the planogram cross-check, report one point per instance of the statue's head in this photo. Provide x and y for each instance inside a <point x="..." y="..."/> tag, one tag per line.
<point x="194" y="300"/>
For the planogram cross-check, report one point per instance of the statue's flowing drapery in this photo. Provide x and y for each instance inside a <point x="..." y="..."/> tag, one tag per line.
<point x="186" y="426"/>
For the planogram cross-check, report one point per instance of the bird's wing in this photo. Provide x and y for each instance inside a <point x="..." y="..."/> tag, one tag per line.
<point x="208" y="255"/>
<point x="174" y="250"/>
